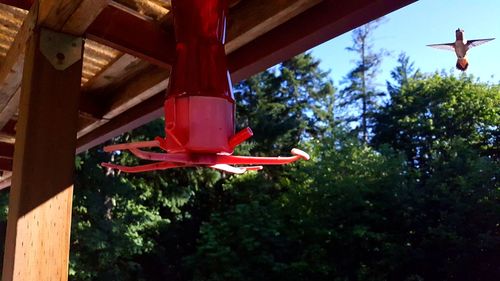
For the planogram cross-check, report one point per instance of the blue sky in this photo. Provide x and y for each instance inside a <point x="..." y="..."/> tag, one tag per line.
<point x="424" y="22"/>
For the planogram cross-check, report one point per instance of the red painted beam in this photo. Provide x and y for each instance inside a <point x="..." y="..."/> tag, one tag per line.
<point x="22" y="4"/>
<point x="134" y="35"/>
<point x="6" y="150"/>
<point x="9" y="128"/>
<point x="5" y="164"/>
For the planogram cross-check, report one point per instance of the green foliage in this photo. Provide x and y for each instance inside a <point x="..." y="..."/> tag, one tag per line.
<point x="112" y="223"/>
<point x="357" y="214"/>
<point x="354" y="213"/>
<point x="316" y="230"/>
<point x="117" y="218"/>
<point x="427" y="115"/>
<point x="455" y="218"/>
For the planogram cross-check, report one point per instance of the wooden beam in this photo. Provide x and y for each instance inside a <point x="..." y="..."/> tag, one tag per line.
<point x="133" y="118"/>
<point x="130" y="33"/>
<point x="9" y="128"/>
<point x="11" y="69"/>
<point x="69" y="16"/>
<point x="21" y="4"/>
<point x="318" y="24"/>
<point x="117" y="27"/>
<point x="5" y="164"/>
<point x="140" y="89"/>
<point x="134" y="35"/>
<point x="5" y="181"/>
<point x="84" y="16"/>
<point x="123" y="68"/>
<point x="251" y="19"/>
<point x="39" y="219"/>
<point x="150" y="83"/>
<point x="10" y="108"/>
<point x="103" y="103"/>
<point x="6" y="150"/>
<point x="7" y="138"/>
<point x="111" y="25"/>
<point x="150" y="9"/>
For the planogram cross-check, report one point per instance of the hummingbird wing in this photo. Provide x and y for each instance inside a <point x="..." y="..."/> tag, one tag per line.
<point x="477" y="42"/>
<point x="444" y="46"/>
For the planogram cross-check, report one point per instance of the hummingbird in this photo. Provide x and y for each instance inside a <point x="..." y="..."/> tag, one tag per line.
<point x="460" y="47"/>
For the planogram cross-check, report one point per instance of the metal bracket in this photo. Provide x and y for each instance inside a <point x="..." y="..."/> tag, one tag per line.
<point x="61" y="50"/>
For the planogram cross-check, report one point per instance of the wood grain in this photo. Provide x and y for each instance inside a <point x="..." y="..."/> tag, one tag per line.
<point x="83" y="16"/>
<point x="144" y="86"/>
<point x="250" y="19"/>
<point x="70" y="16"/>
<point x="39" y="219"/>
<point x="11" y="69"/>
<point x="121" y="69"/>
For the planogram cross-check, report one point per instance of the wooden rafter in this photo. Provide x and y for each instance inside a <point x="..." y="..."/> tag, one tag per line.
<point x="84" y="16"/>
<point x="21" y="4"/>
<point x="6" y="151"/>
<point x="5" y="164"/>
<point x="134" y="35"/>
<point x="151" y="82"/>
<point x="134" y="117"/>
<point x="123" y="68"/>
<point x="250" y="19"/>
<point x="5" y="179"/>
<point x="69" y="16"/>
<point x="11" y="69"/>
<point x="115" y="26"/>
<point x="328" y="19"/>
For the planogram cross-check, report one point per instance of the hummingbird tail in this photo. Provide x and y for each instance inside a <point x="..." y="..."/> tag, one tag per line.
<point x="462" y="64"/>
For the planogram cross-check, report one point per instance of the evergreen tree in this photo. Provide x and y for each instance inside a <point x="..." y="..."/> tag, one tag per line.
<point x="285" y="104"/>
<point x="120" y="220"/>
<point x="360" y="97"/>
<point x="447" y="129"/>
<point x="353" y="213"/>
<point x="401" y="74"/>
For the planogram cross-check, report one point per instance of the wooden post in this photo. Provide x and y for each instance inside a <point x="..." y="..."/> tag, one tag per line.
<point x="39" y="220"/>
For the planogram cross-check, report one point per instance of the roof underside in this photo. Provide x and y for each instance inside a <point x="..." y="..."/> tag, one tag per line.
<point x="129" y="47"/>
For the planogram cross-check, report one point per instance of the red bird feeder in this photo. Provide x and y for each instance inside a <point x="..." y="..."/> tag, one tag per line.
<point x="199" y="107"/>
